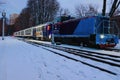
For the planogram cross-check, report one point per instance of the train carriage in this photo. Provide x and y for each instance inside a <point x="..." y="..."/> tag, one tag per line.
<point x="28" y="33"/>
<point x="95" y="30"/>
<point x="38" y="32"/>
<point x="42" y="31"/>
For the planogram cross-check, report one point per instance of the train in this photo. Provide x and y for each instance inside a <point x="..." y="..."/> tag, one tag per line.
<point x="97" y="31"/>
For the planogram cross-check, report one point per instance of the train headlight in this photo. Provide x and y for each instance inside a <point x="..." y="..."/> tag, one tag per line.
<point x="50" y="36"/>
<point x="102" y="36"/>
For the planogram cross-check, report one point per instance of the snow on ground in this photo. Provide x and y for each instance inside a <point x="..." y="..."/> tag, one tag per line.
<point x="88" y="49"/>
<point x="118" y="45"/>
<point x="22" y="61"/>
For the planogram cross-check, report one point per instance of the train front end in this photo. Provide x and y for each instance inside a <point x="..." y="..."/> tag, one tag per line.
<point x="106" y="40"/>
<point x="106" y="33"/>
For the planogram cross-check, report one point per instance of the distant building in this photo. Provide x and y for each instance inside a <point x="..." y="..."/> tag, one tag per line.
<point x="13" y="18"/>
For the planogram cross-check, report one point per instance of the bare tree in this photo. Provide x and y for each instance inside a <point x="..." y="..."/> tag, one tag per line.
<point x="37" y="12"/>
<point x="92" y="10"/>
<point x="42" y="11"/>
<point x="22" y="21"/>
<point x="66" y="12"/>
<point x="83" y="10"/>
<point x="62" y="11"/>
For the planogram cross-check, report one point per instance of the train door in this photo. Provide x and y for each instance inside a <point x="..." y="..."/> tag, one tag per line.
<point x="34" y="32"/>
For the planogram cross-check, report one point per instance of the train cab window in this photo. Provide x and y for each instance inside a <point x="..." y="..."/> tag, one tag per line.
<point x="107" y="27"/>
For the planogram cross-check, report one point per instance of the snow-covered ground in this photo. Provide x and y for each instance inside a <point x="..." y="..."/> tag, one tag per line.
<point x="85" y="48"/>
<point x="23" y="61"/>
<point x="118" y="45"/>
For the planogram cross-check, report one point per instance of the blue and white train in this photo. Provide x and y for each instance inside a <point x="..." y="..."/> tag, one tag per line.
<point x="90" y="31"/>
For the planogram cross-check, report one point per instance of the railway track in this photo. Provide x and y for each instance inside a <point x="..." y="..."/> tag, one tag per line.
<point x="108" y="59"/>
<point x="112" y="49"/>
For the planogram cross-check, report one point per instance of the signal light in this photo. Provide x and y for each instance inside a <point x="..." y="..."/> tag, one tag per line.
<point x="48" y="28"/>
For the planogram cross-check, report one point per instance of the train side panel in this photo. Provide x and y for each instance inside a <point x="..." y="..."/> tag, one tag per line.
<point x="81" y="27"/>
<point x="68" y="27"/>
<point x="76" y="31"/>
<point x="86" y="27"/>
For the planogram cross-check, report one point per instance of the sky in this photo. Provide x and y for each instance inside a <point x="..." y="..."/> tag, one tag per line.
<point x="71" y="4"/>
<point x="15" y="6"/>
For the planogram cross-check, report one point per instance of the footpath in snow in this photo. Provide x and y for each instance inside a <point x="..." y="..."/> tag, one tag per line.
<point x="23" y="61"/>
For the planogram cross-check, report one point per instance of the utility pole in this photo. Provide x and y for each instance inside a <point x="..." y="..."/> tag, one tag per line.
<point x="114" y="7"/>
<point x="3" y="25"/>
<point x="104" y="8"/>
<point x="53" y="42"/>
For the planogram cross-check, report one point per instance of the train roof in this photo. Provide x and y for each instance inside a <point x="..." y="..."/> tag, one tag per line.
<point x="71" y="20"/>
<point x="41" y="25"/>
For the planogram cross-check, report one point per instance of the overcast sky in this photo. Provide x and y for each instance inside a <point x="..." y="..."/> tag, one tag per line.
<point x="71" y="4"/>
<point x="15" y="6"/>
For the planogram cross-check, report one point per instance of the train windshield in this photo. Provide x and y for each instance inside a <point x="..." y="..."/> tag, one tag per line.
<point x="107" y="27"/>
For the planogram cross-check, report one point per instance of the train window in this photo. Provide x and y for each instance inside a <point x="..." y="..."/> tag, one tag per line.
<point x="22" y="32"/>
<point x="38" y="29"/>
<point x="107" y="27"/>
<point x="28" y="32"/>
